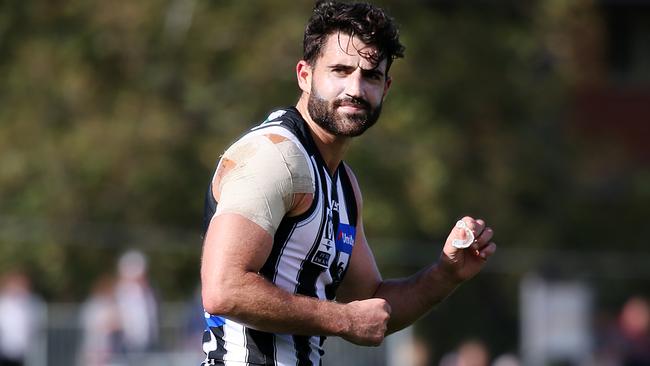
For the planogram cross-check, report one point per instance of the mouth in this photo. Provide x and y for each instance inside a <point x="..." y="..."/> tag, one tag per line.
<point x="353" y="106"/>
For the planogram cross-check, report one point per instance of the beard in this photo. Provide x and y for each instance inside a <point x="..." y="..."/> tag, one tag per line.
<point x="325" y="114"/>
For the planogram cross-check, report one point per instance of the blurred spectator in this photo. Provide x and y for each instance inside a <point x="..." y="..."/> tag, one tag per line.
<point x="100" y="325"/>
<point x="136" y="303"/>
<point x="628" y="342"/>
<point x="469" y="353"/>
<point x="473" y="353"/>
<point x="635" y="329"/>
<point x="421" y="354"/>
<point x="506" y="359"/>
<point x="410" y="350"/>
<point x="194" y="321"/>
<point x="18" y="318"/>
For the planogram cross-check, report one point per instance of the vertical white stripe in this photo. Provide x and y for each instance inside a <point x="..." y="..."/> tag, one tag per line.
<point x="325" y="278"/>
<point x="297" y="248"/>
<point x="314" y="356"/>
<point x="329" y="185"/>
<point x="343" y="208"/>
<point x="286" y="352"/>
<point x="235" y="343"/>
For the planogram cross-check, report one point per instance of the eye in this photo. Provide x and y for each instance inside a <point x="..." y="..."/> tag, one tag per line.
<point x="374" y="76"/>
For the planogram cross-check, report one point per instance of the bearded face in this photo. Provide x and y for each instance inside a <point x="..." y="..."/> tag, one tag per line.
<point x="347" y="86"/>
<point x="347" y="117"/>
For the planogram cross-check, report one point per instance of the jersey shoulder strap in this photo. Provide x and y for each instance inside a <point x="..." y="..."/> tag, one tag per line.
<point x="290" y="119"/>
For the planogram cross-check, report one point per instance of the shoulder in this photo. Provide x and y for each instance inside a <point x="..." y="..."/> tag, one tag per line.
<point x="258" y="178"/>
<point x="274" y="160"/>
<point x="270" y="146"/>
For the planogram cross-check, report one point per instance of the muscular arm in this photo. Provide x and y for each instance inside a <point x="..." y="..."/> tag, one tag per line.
<point x="236" y="247"/>
<point x="234" y="251"/>
<point x="409" y="297"/>
<point x="414" y="296"/>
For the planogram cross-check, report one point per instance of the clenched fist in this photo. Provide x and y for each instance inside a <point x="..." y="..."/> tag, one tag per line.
<point x="368" y="321"/>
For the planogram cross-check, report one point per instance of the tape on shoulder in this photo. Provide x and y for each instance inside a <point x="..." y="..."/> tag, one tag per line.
<point x="264" y="179"/>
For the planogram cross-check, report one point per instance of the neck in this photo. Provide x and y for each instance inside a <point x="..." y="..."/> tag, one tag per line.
<point x="332" y="148"/>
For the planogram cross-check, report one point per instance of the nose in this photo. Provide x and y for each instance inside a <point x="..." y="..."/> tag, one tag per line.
<point x="354" y="86"/>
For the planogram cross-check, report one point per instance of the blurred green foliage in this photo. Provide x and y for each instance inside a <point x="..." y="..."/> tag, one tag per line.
<point x="113" y="115"/>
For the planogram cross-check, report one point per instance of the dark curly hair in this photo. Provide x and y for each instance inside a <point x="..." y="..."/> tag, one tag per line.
<point x="368" y="22"/>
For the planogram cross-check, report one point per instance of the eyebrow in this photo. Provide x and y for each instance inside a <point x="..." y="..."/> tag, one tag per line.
<point x="369" y="72"/>
<point x="342" y="66"/>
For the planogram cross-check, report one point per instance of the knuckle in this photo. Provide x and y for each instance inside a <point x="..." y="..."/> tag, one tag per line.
<point x="387" y="307"/>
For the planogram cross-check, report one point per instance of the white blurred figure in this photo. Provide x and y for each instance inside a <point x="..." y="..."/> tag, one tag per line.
<point x="506" y="359"/>
<point x="19" y="316"/>
<point x="408" y="350"/>
<point x="100" y="325"/>
<point x="468" y="353"/>
<point x="137" y="306"/>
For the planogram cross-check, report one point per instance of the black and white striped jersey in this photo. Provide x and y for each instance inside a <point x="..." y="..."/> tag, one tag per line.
<point x="310" y="256"/>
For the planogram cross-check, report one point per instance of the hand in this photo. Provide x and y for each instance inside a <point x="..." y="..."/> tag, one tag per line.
<point x="368" y="321"/>
<point x="463" y="264"/>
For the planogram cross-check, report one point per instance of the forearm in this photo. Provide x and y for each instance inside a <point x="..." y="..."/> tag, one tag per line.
<point x="412" y="297"/>
<point x="252" y="300"/>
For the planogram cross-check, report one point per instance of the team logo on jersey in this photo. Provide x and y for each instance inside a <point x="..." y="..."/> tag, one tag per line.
<point x="345" y="238"/>
<point x="322" y="258"/>
<point x="334" y="206"/>
<point x="327" y="247"/>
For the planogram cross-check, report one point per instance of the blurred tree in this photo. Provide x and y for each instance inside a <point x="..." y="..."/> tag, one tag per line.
<point x="113" y="115"/>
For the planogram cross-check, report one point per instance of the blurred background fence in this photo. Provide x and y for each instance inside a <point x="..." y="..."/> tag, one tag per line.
<point x="557" y="320"/>
<point x="60" y="340"/>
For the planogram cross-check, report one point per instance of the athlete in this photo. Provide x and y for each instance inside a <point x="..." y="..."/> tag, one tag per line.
<point x="285" y="258"/>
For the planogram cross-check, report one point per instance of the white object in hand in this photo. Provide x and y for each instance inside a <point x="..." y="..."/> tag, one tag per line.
<point x="469" y="236"/>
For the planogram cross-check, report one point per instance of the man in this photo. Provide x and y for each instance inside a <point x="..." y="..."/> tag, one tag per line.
<point x="285" y="259"/>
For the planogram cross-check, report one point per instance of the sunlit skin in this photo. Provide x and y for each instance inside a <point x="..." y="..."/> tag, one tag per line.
<point x="341" y="73"/>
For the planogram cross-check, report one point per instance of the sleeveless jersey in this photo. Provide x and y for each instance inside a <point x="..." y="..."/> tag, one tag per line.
<point x="309" y="257"/>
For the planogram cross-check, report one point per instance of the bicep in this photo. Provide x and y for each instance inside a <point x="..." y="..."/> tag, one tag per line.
<point x="237" y="241"/>
<point x="251" y="186"/>
<point x="233" y="245"/>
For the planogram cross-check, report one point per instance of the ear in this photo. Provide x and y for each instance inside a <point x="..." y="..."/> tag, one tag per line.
<point x="387" y="85"/>
<point x="304" y="75"/>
